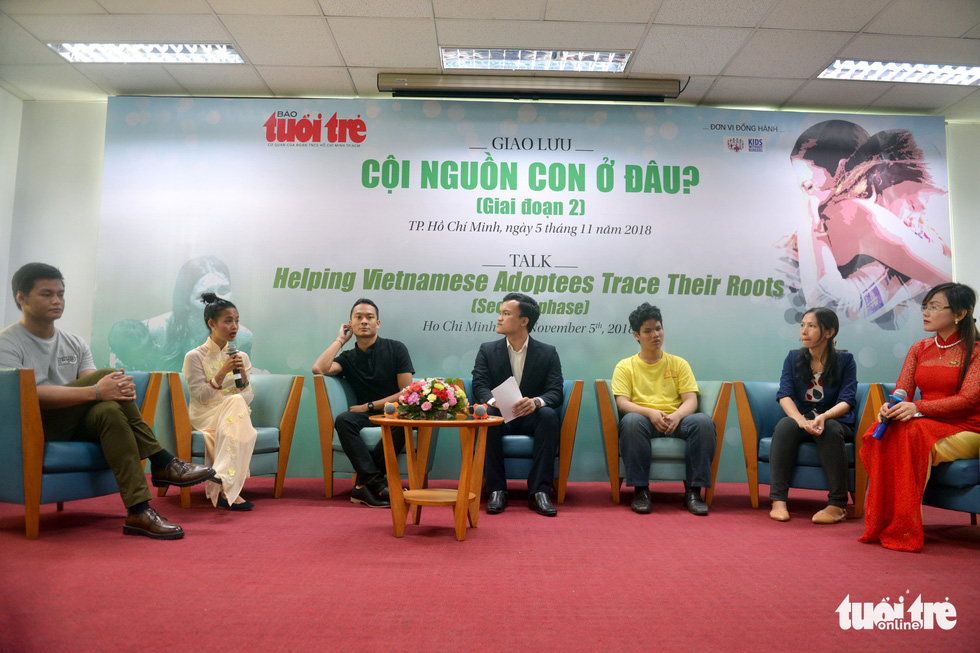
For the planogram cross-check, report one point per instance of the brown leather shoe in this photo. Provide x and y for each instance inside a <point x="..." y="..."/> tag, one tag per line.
<point x="181" y="474"/>
<point x="151" y="524"/>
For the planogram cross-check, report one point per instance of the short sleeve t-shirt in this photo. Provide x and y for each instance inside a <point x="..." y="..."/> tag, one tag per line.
<point x="658" y="386"/>
<point x="56" y="360"/>
<point x="373" y="374"/>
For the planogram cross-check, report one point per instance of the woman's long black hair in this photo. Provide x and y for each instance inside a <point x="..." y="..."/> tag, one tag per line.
<point x="827" y="319"/>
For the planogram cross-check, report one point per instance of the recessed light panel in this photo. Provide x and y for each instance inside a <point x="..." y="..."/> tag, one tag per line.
<point x="533" y="60"/>
<point x="147" y="52"/>
<point x="911" y="73"/>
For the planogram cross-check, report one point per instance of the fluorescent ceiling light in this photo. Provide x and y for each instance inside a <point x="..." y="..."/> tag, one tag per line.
<point x="147" y="52"/>
<point x="913" y="73"/>
<point x="529" y="60"/>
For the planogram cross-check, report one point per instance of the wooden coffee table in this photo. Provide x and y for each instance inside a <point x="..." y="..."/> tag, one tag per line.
<point x="465" y="500"/>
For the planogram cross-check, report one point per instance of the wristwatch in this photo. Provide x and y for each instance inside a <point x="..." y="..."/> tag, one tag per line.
<point x="370" y="406"/>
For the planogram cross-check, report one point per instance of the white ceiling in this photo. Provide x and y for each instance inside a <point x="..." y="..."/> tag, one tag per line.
<point x="758" y="53"/>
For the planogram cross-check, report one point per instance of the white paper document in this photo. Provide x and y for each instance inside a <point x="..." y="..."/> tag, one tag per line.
<point x="507" y="394"/>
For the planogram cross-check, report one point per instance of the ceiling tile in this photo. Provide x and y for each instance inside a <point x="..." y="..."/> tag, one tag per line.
<point x="923" y="49"/>
<point x="623" y="11"/>
<point x="694" y="89"/>
<point x="132" y="79"/>
<point x="366" y="82"/>
<point x="284" y="40"/>
<point x="921" y="97"/>
<point x="267" y="7"/>
<point x="377" y="8"/>
<point x="674" y="50"/>
<point x="966" y="110"/>
<point x="973" y="33"/>
<point x="14" y="7"/>
<point x="728" y="13"/>
<point x="59" y="82"/>
<point x="17" y="45"/>
<point x="219" y="80"/>
<point x="801" y="54"/>
<point x="539" y="34"/>
<point x="306" y="81"/>
<point x="750" y="91"/>
<point x="156" y="7"/>
<point x="501" y="9"/>
<point x="837" y="94"/>
<point x="378" y="42"/>
<point x="832" y="15"/>
<point x="126" y="29"/>
<point x="933" y="18"/>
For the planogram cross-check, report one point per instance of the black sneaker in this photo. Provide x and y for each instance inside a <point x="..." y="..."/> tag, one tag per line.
<point x="641" y="501"/>
<point x="365" y="496"/>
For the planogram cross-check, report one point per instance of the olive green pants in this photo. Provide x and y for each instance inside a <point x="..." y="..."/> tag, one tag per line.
<point x="117" y="426"/>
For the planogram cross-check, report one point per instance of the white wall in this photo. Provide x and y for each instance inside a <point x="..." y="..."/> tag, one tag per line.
<point x="57" y="201"/>
<point x="963" y="146"/>
<point x="11" y="109"/>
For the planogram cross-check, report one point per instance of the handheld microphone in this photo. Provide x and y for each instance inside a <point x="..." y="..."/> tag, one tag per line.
<point x="232" y="350"/>
<point x="898" y="397"/>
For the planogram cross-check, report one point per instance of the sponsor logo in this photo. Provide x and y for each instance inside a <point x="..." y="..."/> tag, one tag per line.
<point x="290" y="127"/>
<point x="756" y="145"/>
<point x="919" y="615"/>
<point x="736" y="144"/>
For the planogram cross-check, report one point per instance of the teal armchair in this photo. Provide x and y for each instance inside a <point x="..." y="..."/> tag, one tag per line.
<point x="758" y="414"/>
<point x="518" y="448"/>
<point x="274" y="410"/>
<point x="333" y="397"/>
<point x="34" y="472"/>
<point x="954" y="485"/>
<point x="668" y="454"/>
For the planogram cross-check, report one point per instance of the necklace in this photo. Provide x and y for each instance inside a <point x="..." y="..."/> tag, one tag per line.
<point x="952" y="344"/>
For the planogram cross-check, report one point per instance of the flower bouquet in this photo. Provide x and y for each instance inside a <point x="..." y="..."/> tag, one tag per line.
<point x="432" y="399"/>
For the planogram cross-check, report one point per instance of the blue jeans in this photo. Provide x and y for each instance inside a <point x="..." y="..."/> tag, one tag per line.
<point x="698" y="432"/>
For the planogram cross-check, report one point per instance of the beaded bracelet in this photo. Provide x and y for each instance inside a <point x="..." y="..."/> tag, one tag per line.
<point x="97" y="392"/>
<point x="211" y="383"/>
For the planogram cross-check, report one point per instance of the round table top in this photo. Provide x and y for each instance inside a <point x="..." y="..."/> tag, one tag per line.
<point x="489" y="420"/>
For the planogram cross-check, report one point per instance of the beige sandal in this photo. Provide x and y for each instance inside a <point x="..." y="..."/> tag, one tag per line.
<point x="779" y="513"/>
<point x="830" y="515"/>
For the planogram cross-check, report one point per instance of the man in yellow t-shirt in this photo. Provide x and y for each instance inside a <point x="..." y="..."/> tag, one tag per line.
<point x="657" y="396"/>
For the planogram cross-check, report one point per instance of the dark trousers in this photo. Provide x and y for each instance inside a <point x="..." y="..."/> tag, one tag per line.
<point x="786" y="439"/>
<point x="369" y="464"/>
<point x="118" y="427"/>
<point x="698" y="433"/>
<point x="543" y="427"/>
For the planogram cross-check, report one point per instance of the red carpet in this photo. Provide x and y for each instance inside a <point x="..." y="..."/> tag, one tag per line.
<point x="306" y="572"/>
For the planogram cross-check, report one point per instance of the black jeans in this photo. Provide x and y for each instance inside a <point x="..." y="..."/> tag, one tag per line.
<point x="786" y="439"/>
<point x="369" y="464"/>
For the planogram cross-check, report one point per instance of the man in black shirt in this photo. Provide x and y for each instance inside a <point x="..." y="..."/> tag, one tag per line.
<point x="377" y="369"/>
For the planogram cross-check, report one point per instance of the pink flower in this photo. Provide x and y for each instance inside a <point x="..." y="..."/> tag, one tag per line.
<point x="427" y="406"/>
<point x="412" y="398"/>
<point x="452" y="401"/>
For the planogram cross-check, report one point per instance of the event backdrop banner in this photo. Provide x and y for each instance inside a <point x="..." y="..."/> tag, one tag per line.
<point x="731" y="221"/>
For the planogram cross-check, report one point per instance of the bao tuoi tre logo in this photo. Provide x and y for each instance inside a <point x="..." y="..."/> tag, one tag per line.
<point x="289" y="127"/>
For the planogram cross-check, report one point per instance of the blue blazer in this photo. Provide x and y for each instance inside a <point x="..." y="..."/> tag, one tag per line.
<point x="542" y="372"/>
<point x="844" y="390"/>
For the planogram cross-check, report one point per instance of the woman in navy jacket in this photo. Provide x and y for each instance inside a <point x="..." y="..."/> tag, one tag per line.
<point x="818" y="394"/>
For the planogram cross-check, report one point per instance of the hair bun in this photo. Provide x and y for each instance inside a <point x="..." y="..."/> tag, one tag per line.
<point x="208" y="298"/>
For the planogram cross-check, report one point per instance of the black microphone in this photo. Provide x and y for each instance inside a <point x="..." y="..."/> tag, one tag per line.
<point x="232" y="350"/>
<point x="896" y="398"/>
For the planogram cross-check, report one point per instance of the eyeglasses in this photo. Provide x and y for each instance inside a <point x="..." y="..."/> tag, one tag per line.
<point x="933" y="308"/>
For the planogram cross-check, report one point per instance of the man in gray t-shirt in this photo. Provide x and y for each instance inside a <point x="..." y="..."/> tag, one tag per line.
<point x="79" y="402"/>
